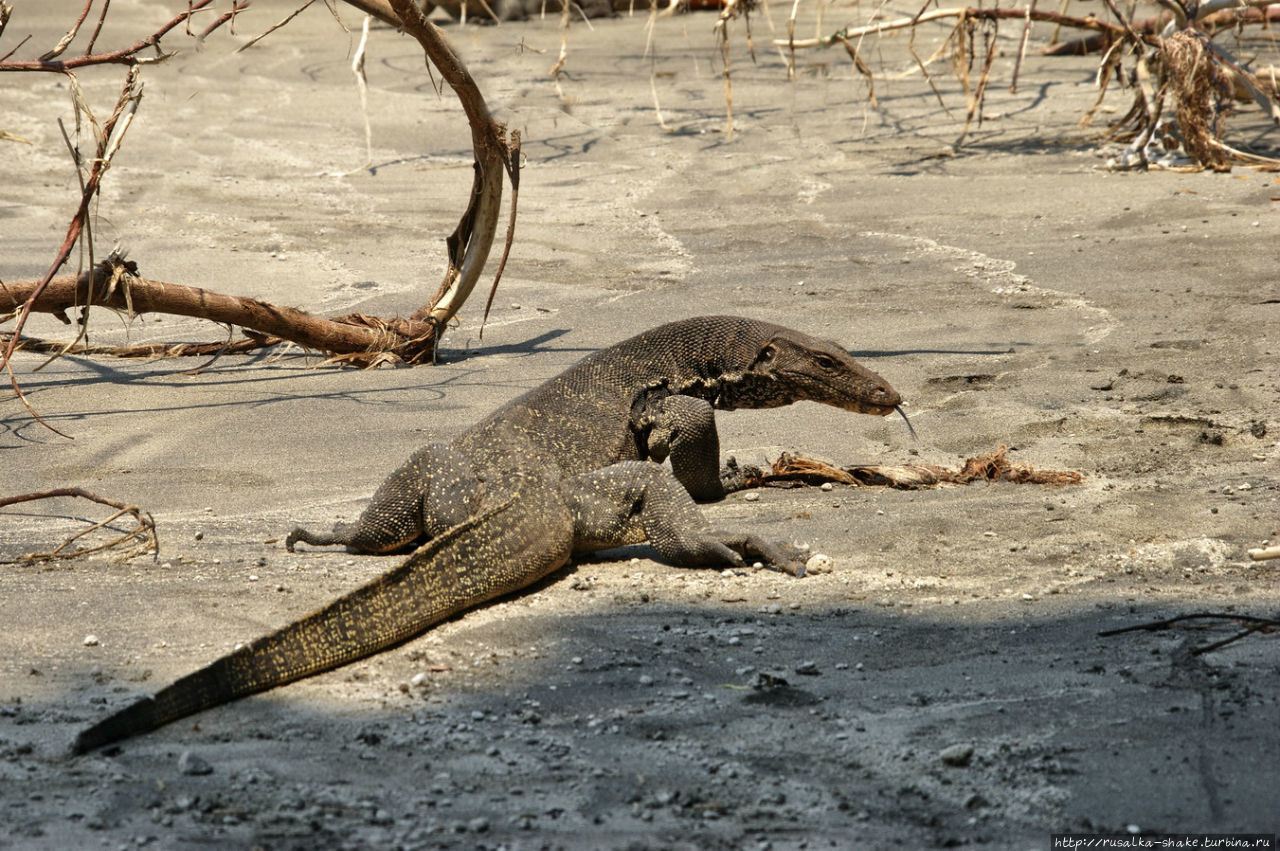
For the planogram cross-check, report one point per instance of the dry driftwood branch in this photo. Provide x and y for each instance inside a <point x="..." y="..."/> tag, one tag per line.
<point x="470" y="243"/>
<point x="959" y="12"/>
<point x="145" y="532"/>
<point x="114" y="283"/>
<point x="1209" y="23"/>
<point x="355" y="339"/>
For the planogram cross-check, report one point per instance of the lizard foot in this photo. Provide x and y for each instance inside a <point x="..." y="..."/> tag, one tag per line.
<point x="777" y="555"/>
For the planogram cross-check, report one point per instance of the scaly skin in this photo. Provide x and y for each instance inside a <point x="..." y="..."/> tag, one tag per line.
<point x="555" y="471"/>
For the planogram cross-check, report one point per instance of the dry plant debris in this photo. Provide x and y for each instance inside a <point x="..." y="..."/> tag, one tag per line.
<point x="794" y="470"/>
<point x="144" y="534"/>
<point x="114" y="282"/>
<point x="1171" y="64"/>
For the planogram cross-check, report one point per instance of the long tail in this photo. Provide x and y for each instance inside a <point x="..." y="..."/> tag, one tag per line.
<point x="452" y="572"/>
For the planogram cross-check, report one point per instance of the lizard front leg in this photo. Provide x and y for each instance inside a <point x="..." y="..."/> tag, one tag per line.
<point x="632" y="502"/>
<point x="684" y="429"/>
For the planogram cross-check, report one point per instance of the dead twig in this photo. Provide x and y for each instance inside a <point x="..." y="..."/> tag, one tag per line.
<point x="108" y="143"/>
<point x="144" y="532"/>
<point x="721" y="29"/>
<point x="123" y="56"/>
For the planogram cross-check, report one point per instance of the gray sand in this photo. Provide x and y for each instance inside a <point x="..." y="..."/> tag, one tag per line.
<point x="1120" y="324"/>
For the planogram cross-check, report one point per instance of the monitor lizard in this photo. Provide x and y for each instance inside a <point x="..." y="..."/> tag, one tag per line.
<point x="565" y="468"/>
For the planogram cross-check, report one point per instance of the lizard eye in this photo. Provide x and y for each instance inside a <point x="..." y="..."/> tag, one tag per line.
<point x="825" y="362"/>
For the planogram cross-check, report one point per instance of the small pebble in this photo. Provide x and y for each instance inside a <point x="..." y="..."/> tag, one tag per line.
<point x="91" y="641"/>
<point x="191" y="764"/>
<point x="819" y="563"/>
<point x="827" y="486"/>
<point x="752" y="497"/>
<point x="957" y="755"/>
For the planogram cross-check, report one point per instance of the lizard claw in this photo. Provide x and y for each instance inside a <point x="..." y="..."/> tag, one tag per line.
<point x="777" y="555"/>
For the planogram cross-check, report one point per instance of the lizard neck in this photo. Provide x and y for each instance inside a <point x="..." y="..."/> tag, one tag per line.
<point x="729" y="391"/>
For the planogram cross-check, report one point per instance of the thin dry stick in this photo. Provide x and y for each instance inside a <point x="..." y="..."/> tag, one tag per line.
<point x="362" y="86"/>
<point x="924" y="68"/>
<point x="1022" y="48"/>
<point x="236" y="8"/>
<point x="93" y="37"/>
<point x="146" y="528"/>
<point x="790" y="41"/>
<point x="513" y="174"/>
<point x="109" y="142"/>
<point x="123" y="56"/>
<point x="269" y="30"/>
<point x="961" y="12"/>
<point x="1057" y="28"/>
<point x="564" y="47"/>
<point x="721" y="28"/>
<point x="66" y="40"/>
<point x="978" y="96"/>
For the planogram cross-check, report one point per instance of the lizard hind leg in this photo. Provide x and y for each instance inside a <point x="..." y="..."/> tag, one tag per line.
<point x="434" y="490"/>
<point x="636" y="501"/>
<point x="340" y="535"/>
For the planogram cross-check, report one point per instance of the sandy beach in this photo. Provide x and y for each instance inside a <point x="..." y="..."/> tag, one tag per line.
<point x="945" y="684"/>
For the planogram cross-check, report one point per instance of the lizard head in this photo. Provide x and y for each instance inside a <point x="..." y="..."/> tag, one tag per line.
<point x="805" y="368"/>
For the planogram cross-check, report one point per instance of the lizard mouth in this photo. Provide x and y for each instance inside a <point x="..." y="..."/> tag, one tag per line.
<point x="873" y="408"/>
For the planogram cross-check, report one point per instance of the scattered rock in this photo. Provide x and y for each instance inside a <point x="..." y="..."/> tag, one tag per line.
<point x="958" y="755"/>
<point x="193" y="765"/>
<point x="819" y="563"/>
<point x="90" y="641"/>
